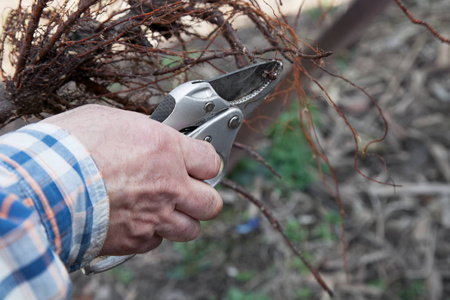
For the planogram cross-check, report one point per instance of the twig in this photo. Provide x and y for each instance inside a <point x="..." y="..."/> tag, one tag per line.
<point x="380" y="111"/>
<point x="296" y="53"/>
<point x="26" y="45"/>
<point x="226" y="53"/>
<point x="85" y="5"/>
<point x="320" y="154"/>
<point x="420" y="22"/>
<point x="257" y="157"/>
<point x="352" y="129"/>
<point x="276" y="225"/>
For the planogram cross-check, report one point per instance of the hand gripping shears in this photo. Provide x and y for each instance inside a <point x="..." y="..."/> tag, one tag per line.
<point x="211" y="110"/>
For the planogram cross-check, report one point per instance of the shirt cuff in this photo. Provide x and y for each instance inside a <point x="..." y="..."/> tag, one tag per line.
<point x="61" y="181"/>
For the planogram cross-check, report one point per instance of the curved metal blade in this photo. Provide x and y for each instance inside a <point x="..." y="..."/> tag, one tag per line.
<point x="247" y="87"/>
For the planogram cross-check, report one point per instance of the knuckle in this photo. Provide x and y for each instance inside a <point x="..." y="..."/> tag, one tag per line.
<point x="143" y="239"/>
<point x="216" y="162"/>
<point x="212" y="161"/>
<point x="209" y="203"/>
<point x="219" y="206"/>
<point x="162" y="140"/>
<point x="215" y="204"/>
<point x="190" y="231"/>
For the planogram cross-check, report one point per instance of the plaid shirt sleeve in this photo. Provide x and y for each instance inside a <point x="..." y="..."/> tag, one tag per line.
<point x="54" y="212"/>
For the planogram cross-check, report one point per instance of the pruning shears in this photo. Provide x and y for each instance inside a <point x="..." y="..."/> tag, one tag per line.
<point x="211" y="110"/>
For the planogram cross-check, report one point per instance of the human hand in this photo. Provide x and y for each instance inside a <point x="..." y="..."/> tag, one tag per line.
<point x="154" y="176"/>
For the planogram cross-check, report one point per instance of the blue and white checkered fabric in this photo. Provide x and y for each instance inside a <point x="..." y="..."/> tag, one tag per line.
<point x="54" y="212"/>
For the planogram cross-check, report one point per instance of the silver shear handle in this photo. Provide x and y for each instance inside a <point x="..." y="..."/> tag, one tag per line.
<point x="103" y="264"/>
<point x="221" y="132"/>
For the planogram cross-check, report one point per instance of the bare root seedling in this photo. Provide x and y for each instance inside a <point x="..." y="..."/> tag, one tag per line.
<point x="130" y="53"/>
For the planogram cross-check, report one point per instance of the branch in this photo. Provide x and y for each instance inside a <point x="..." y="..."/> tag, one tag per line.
<point x="225" y="53"/>
<point x="420" y="22"/>
<point x="257" y="157"/>
<point x="26" y="45"/>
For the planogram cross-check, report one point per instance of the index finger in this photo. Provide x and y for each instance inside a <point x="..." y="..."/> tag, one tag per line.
<point x="200" y="158"/>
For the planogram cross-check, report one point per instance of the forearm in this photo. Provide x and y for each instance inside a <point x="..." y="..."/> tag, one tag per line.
<point x="53" y="177"/>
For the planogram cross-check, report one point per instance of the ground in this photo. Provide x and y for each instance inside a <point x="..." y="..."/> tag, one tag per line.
<point x="398" y="238"/>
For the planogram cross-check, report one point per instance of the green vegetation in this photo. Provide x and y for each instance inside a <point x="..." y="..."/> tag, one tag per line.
<point x="415" y="290"/>
<point x="297" y="264"/>
<point x="325" y="230"/>
<point x="123" y="274"/>
<point x="246" y="275"/>
<point x="326" y="8"/>
<point x="173" y="60"/>
<point x="304" y="293"/>
<point x="238" y="294"/>
<point x="295" y="231"/>
<point x="378" y="283"/>
<point x="289" y="154"/>
<point x="345" y="58"/>
<point x="197" y="256"/>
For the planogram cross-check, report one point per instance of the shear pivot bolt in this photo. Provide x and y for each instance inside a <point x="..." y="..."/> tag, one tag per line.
<point x="234" y="122"/>
<point x="209" y="106"/>
<point x="208" y="139"/>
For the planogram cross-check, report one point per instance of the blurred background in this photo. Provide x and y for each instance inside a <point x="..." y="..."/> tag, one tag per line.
<point x="398" y="238"/>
